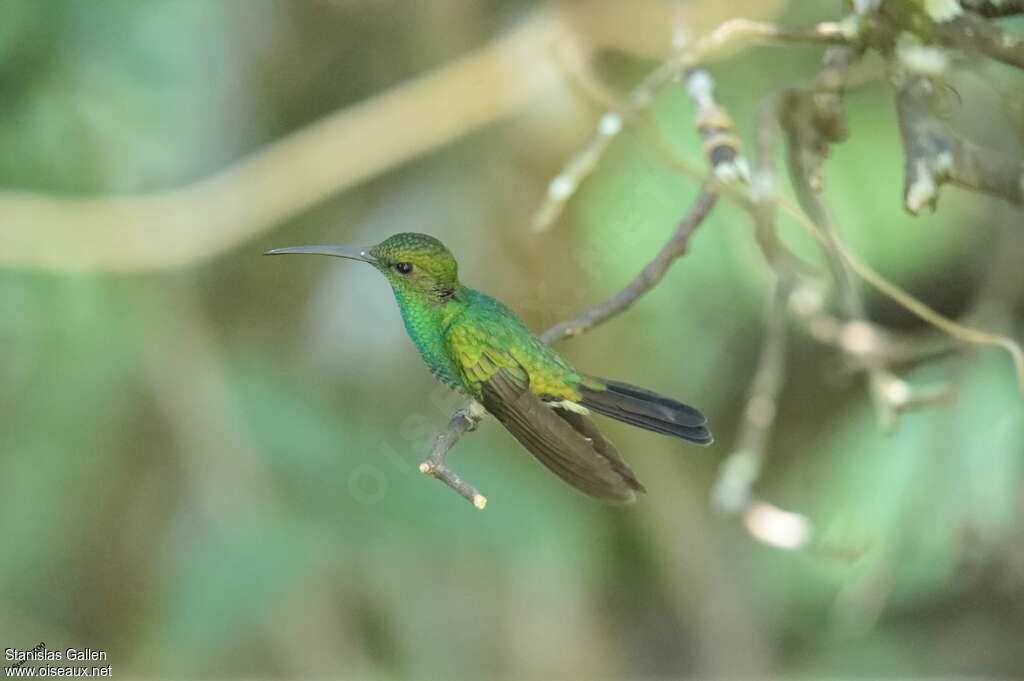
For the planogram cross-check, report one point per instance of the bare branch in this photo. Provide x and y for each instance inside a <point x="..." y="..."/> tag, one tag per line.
<point x="935" y="155"/>
<point x="648" y="277"/>
<point x="721" y="144"/>
<point x="959" y="331"/>
<point x="741" y="469"/>
<point x="732" y="491"/>
<point x="183" y="225"/>
<point x="813" y="119"/>
<point x="821" y="325"/>
<point x="704" y="50"/>
<point x="463" y="420"/>
<point x="764" y="196"/>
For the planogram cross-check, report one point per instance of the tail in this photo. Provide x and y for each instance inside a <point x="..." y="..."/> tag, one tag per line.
<point x="645" y="409"/>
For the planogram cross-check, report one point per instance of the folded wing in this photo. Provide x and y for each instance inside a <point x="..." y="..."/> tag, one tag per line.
<point x="568" y="444"/>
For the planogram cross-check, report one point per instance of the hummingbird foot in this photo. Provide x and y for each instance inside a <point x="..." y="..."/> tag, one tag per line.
<point x="474" y="411"/>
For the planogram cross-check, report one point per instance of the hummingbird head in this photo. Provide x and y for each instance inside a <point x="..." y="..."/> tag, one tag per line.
<point x="416" y="264"/>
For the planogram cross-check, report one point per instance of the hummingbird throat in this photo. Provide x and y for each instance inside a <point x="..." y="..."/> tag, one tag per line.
<point x="426" y="318"/>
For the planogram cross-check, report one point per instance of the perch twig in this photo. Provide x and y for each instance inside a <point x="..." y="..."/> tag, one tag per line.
<point x="463" y="420"/>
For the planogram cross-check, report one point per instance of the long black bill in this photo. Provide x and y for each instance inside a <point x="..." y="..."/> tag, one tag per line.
<point x="350" y="252"/>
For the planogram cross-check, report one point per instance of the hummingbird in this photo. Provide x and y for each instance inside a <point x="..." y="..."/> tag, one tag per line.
<point x="476" y="345"/>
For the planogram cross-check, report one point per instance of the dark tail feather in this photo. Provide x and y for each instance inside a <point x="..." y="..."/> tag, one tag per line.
<point x="646" y="409"/>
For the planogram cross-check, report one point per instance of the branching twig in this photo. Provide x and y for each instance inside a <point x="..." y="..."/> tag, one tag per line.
<point x="764" y="197"/>
<point x="813" y="120"/>
<point x="183" y="225"/>
<point x="957" y="330"/>
<point x="643" y="282"/>
<point x="738" y="473"/>
<point x="742" y="468"/>
<point x="721" y="144"/>
<point x="464" y="420"/>
<point x="732" y="493"/>
<point x="582" y="164"/>
<point x="743" y="197"/>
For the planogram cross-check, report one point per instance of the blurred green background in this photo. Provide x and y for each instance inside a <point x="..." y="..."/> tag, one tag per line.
<point x="209" y="471"/>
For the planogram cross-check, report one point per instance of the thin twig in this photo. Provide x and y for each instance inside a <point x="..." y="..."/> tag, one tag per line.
<point x="960" y="332"/>
<point x="813" y="120"/>
<point x="715" y="126"/>
<point x="583" y="163"/>
<point x="742" y="197"/>
<point x="648" y="277"/>
<point x="765" y="522"/>
<point x="463" y="420"/>
<point x="741" y="469"/>
<point x="764" y="196"/>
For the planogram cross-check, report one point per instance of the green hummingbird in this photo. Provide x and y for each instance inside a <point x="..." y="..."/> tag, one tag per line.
<point x="479" y="347"/>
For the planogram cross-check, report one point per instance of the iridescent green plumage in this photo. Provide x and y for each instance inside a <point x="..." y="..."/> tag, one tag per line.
<point x="478" y="346"/>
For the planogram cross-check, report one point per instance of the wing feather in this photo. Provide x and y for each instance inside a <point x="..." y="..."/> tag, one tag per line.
<point x="602" y="445"/>
<point x="556" y="443"/>
<point x="568" y="444"/>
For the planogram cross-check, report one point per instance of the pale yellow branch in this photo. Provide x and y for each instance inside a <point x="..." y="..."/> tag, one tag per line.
<point x="181" y="226"/>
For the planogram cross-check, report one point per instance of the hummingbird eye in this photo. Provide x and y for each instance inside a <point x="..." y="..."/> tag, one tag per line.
<point x="403" y="267"/>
